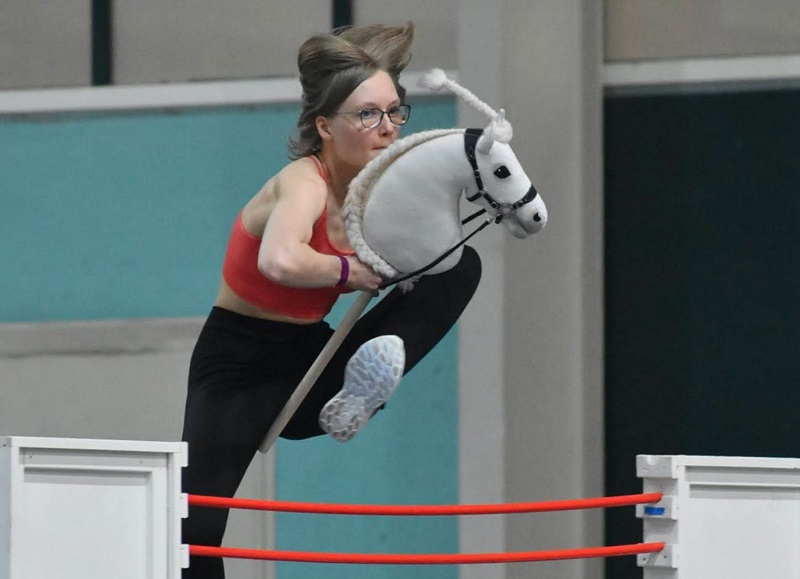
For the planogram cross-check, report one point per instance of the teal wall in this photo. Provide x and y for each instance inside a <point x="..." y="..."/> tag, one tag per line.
<point x="126" y="215"/>
<point x="119" y="216"/>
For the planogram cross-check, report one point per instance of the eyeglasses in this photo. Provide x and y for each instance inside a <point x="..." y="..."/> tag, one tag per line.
<point x="371" y="118"/>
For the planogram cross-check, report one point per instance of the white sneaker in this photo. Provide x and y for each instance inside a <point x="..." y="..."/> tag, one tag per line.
<point x="370" y="378"/>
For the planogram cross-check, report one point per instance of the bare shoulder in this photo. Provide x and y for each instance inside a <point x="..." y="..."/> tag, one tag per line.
<point x="300" y="176"/>
<point x="298" y="183"/>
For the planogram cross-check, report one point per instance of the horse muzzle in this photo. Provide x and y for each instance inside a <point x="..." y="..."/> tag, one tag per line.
<point x="525" y="220"/>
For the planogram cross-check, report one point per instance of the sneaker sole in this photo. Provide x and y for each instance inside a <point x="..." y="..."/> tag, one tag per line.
<point x="370" y="378"/>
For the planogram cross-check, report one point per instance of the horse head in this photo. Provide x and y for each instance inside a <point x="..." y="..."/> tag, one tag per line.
<point x="501" y="185"/>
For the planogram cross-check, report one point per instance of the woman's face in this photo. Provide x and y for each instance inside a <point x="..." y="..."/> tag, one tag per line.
<point x="352" y="143"/>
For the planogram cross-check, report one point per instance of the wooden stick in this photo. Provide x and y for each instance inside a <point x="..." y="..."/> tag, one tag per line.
<point x="315" y="370"/>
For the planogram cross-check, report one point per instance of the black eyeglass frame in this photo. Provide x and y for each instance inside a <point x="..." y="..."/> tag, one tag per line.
<point x="374" y="110"/>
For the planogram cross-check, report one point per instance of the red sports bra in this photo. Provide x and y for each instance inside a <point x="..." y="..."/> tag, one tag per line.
<point x="240" y="271"/>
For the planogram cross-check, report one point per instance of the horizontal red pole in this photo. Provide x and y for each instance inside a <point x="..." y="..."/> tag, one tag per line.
<point x="423" y="510"/>
<point x="425" y="559"/>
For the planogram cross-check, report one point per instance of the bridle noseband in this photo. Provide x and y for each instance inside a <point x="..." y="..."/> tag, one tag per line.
<point x="471" y="137"/>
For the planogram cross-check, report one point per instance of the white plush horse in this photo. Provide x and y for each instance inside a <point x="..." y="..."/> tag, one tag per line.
<point x="402" y="210"/>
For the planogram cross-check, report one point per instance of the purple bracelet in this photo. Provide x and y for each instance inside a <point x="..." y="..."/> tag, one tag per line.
<point x="345" y="275"/>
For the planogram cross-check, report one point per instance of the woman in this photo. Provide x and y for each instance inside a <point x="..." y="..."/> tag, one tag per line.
<point x="288" y="259"/>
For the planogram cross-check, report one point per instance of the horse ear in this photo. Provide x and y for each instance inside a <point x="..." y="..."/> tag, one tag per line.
<point x="499" y="130"/>
<point x="503" y="131"/>
<point x="486" y="141"/>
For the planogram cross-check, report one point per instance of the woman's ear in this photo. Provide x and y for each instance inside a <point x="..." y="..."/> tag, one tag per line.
<point x="323" y="129"/>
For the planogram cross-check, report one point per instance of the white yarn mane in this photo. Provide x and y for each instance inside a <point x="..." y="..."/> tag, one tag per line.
<point x="361" y="187"/>
<point x="500" y="129"/>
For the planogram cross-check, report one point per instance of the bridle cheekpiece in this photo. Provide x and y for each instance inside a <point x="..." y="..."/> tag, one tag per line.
<point x="471" y="137"/>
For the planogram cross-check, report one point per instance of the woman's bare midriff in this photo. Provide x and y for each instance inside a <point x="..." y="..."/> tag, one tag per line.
<point x="228" y="300"/>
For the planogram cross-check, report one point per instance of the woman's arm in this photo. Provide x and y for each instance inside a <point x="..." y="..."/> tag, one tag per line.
<point x="285" y="256"/>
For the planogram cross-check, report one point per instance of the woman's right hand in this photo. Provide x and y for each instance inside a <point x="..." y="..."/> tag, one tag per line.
<point x="362" y="277"/>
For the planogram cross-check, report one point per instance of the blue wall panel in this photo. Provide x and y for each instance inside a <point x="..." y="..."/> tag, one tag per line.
<point x="127" y="215"/>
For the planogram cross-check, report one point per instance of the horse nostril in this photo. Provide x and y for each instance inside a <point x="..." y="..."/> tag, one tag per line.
<point x="537" y="218"/>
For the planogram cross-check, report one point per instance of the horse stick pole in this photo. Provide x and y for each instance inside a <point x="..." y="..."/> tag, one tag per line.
<point x="315" y="370"/>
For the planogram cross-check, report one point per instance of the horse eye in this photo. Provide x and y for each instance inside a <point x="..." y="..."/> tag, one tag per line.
<point x="502" y="172"/>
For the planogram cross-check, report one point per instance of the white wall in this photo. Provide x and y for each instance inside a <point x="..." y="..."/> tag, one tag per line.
<point x="533" y="426"/>
<point x="45" y="44"/>
<point x="49" y="44"/>
<point x="637" y="30"/>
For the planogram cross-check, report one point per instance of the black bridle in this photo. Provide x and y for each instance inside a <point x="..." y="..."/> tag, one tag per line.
<point x="471" y="137"/>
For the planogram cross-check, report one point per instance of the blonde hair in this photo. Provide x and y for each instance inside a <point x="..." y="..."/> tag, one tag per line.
<point x="332" y="66"/>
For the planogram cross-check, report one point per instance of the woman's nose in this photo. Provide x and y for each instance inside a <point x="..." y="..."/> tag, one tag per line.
<point x="386" y="125"/>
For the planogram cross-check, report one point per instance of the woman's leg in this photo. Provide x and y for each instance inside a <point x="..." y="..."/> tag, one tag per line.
<point x="420" y="317"/>
<point x="218" y="458"/>
<point x="241" y="374"/>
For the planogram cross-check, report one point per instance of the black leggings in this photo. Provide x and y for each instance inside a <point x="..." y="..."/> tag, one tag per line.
<point x="243" y="370"/>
